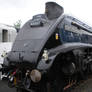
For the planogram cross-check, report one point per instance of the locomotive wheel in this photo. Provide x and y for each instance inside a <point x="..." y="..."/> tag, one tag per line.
<point x="52" y="86"/>
<point x="57" y="82"/>
<point x="59" y="85"/>
<point x="84" y="66"/>
<point x="56" y="86"/>
<point x="11" y="85"/>
<point x="27" y="82"/>
<point x="83" y="75"/>
<point x="20" y="90"/>
<point x="90" y="67"/>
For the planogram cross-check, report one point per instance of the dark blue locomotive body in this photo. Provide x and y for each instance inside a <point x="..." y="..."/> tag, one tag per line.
<point x="74" y="30"/>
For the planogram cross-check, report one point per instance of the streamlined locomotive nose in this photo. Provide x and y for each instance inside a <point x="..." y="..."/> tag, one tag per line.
<point x="34" y="34"/>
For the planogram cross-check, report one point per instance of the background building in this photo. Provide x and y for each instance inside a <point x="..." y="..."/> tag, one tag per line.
<point x="7" y="37"/>
<point x="7" y="33"/>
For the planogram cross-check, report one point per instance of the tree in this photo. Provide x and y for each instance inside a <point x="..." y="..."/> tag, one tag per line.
<point x="17" y="25"/>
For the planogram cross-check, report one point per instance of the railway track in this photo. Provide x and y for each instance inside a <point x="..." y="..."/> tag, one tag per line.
<point x="82" y="86"/>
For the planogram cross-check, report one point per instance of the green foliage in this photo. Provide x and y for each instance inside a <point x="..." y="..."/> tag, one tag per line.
<point x="17" y="25"/>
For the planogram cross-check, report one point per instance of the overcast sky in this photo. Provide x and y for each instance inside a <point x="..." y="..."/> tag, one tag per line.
<point x="13" y="10"/>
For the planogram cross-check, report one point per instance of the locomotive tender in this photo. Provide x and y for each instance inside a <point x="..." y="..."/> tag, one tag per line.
<point x="51" y="52"/>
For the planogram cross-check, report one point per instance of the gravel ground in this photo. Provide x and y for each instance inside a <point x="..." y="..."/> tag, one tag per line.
<point x="4" y="87"/>
<point x="84" y="87"/>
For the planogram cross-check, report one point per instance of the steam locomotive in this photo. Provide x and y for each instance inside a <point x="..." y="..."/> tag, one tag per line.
<point x="51" y="52"/>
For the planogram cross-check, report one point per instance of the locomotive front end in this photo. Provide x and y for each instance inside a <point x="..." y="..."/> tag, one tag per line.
<point x="27" y="65"/>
